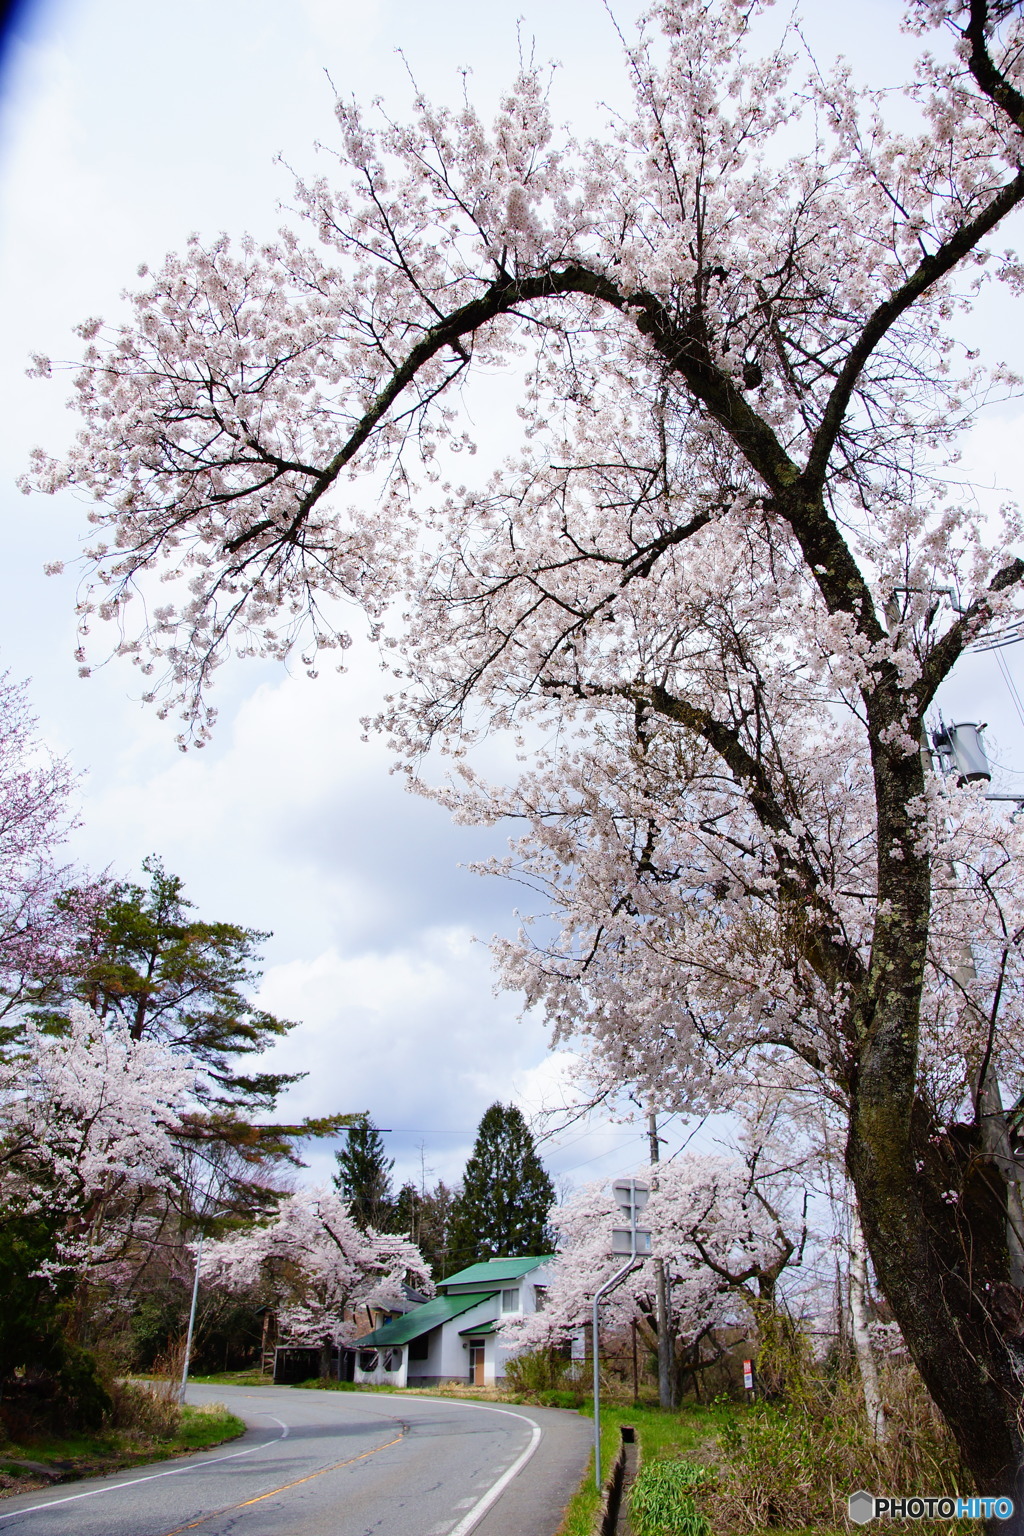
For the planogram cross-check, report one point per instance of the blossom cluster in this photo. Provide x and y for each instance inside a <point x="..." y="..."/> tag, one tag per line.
<point x="316" y="1266"/>
<point x="710" y="1227"/>
<point x="87" y="1134"/>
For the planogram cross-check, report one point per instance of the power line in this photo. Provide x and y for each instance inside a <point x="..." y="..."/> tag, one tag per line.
<point x="1014" y="695"/>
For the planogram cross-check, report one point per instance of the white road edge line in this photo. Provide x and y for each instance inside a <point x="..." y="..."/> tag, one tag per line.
<point x="132" y="1482"/>
<point x="494" y="1492"/>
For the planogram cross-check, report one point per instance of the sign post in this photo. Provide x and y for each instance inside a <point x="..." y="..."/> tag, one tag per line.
<point x="631" y="1196"/>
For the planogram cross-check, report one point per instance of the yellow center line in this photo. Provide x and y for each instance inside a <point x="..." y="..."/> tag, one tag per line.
<point x="228" y="1508"/>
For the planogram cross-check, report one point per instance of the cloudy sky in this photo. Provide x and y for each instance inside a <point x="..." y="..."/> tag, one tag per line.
<point x="124" y="126"/>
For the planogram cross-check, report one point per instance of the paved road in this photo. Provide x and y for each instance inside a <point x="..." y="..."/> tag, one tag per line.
<point x="336" y="1464"/>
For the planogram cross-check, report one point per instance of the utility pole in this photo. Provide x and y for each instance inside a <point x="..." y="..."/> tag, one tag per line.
<point x="661" y="1290"/>
<point x="960" y="750"/>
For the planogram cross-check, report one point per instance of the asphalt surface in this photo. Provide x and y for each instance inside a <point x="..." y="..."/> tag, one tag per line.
<point x="336" y="1464"/>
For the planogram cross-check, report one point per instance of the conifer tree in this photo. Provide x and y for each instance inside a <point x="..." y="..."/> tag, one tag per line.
<point x="364" y="1177"/>
<point x="502" y="1209"/>
<point x="425" y="1217"/>
<point x="141" y="956"/>
<point x="140" y="959"/>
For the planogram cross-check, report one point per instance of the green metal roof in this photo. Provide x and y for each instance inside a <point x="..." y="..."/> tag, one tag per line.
<point x="412" y="1325"/>
<point x="490" y="1327"/>
<point x="495" y="1270"/>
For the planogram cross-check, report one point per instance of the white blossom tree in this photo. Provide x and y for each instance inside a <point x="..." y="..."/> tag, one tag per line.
<point x="715" y="1227"/>
<point x="315" y="1265"/>
<point x="715" y="561"/>
<point x="36" y="930"/>
<point x="87" y="1138"/>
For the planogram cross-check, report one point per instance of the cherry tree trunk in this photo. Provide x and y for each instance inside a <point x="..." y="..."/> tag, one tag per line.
<point x="933" y="1207"/>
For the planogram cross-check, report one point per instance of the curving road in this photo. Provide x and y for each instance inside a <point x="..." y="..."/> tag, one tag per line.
<point x="337" y="1464"/>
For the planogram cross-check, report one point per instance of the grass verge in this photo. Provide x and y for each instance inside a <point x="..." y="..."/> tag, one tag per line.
<point x="40" y="1461"/>
<point x="662" y="1435"/>
<point x="233" y="1379"/>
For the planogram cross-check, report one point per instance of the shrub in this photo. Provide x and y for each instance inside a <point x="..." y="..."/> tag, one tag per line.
<point x="542" y="1370"/>
<point x="793" y="1464"/>
<point x="145" y="1412"/>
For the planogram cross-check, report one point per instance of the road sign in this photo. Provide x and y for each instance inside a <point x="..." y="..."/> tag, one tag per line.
<point x="630" y="1194"/>
<point x="622" y="1240"/>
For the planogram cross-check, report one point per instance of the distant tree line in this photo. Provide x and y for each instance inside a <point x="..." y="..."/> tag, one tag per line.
<point x="501" y="1206"/>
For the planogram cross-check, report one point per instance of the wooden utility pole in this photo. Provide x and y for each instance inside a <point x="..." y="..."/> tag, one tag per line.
<point x="661" y="1290"/>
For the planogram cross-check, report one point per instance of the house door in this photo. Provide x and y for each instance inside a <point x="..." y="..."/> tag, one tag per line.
<point x="476" y="1362"/>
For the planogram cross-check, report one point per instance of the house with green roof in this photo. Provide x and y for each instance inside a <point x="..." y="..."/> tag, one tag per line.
<point x="454" y="1336"/>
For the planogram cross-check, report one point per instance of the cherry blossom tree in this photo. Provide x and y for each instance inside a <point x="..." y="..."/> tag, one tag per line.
<point x="716" y="1228"/>
<point x="87" y="1135"/>
<point x="88" y="1166"/>
<point x="715" y="562"/>
<point x="315" y="1265"/>
<point x="35" y="817"/>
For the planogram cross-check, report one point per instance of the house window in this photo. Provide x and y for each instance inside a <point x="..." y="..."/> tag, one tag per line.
<point x="419" y="1349"/>
<point x="540" y="1297"/>
<point x="510" y="1300"/>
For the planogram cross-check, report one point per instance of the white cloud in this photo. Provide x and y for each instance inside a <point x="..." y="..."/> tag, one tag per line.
<point x="410" y="1033"/>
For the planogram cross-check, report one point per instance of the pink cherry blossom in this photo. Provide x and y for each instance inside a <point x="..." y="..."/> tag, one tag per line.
<point x="317" y="1267"/>
<point x="710" y="593"/>
<point x="87" y="1122"/>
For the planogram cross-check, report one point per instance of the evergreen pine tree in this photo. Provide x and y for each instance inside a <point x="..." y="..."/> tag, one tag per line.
<point x="502" y="1209"/>
<point x="424" y="1216"/>
<point x="140" y="956"/>
<point x="143" y="957"/>
<point x="364" y="1177"/>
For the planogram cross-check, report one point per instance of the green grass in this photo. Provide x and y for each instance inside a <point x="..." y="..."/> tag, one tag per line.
<point x="208" y="1425"/>
<point x="93" y="1455"/>
<point x="661" y="1500"/>
<point x="233" y="1379"/>
<point x="662" y="1435"/>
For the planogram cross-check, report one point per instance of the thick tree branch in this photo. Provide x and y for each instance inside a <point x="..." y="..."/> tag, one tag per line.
<point x="819" y="939"/>
<point x="990" y="79"/>
<point x="967" y="627"/>
<point x="501" y="297"/>
<point x="928" y="272"/>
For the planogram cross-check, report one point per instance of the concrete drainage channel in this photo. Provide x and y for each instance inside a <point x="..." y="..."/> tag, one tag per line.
<point x="613" y="1516"/>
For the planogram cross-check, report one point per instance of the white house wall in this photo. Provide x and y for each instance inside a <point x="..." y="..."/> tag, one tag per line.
<point x="428" y="1370"/>
<point x="380" y="1377"/>
<point x="498" y="1353"/>
<point x="448" y="1344"/>
<point x="454" y="1350"/>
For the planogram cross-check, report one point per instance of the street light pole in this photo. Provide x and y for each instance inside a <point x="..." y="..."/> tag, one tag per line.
<point x="191" y="1321"/>
<point x="609" y="1285"/>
